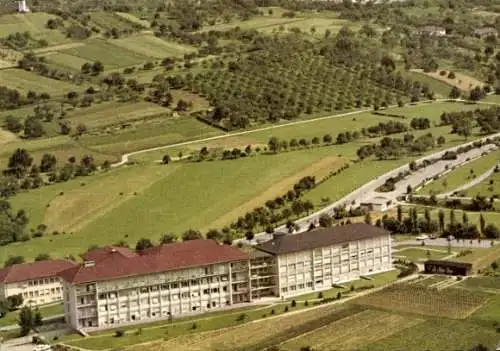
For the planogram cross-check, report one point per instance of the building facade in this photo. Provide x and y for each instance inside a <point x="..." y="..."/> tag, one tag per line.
<point x="37" y="282"/>
<point x="115" y="286"/>
<point x="314" y="261"/>
<point x="162" y="283"/>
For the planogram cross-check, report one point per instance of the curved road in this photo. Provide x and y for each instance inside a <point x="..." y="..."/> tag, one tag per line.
<point x="125" y="157"/>
<point x="367" y="192"/>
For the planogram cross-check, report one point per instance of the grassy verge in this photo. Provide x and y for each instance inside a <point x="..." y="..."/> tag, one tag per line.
<point x="11" y="318"/>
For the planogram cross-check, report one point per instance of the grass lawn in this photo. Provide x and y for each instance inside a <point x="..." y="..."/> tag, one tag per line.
<point x="25" y="81"/>
<point x="46" y="311"/>
<point x="417" y="254"/>
<point x="437" y="334"/>
<point x="99" y="50"/>
<point x="375" y="281"/>
<point x="488" y="187"/>
<point x="182" y="334"/>
<point x="151" y="46"/>
<point x="461" y="175"/>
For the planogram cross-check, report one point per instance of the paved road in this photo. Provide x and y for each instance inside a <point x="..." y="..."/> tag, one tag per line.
<point x="444" y="242"/>
<point x="125" y="157"/>
<point x="367" y="192"/>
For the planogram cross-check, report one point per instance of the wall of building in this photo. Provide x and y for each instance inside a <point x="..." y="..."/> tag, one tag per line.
<point x="158" y="296"/>
<point x="314" y="270"/>
<point x="37" y="291"/>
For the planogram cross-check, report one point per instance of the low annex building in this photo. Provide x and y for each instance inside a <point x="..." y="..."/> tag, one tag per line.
<point x="117" y="286"/>
<point x="38" y="282"/>
<point x="314" y="261"/>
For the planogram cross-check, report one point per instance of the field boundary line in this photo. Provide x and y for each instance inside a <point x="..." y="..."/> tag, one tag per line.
<point x="125" y="157"/>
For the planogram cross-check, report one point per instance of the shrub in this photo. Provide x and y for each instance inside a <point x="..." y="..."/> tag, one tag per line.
<point x="119" y="333"/>
<point x="286" y="309"/>
<point x="320" y="295"/>
<point x="294" y="303"/>
<point x="306" y="303"/>
<point x="194" y="326"/>
<point x="272" y="311"/>
<point x="339" y="295"/>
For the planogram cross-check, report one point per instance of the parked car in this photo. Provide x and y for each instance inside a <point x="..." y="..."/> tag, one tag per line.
<point x="422" y="237"/>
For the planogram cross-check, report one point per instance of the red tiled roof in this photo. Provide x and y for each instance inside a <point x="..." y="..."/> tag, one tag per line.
<point x="155" y="260"/>
<point x="34" y="270"/>
<point x="102" y="253"/>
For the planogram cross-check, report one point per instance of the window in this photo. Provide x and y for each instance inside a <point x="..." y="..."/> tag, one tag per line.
<point x="184" y="284"/>
<point x="285" y="290"/>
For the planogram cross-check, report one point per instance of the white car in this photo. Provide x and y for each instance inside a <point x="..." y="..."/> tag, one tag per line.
<point x="422" y="237"/>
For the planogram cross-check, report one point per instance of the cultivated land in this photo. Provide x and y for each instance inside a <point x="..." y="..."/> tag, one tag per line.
<point x="461" y="81"/>
<point x="28" y="81"/>
<point x="151" y="46"/>
<point x="35" y="23"/>
<point x="462" y="175"/>
<point x="99" y="50"/>
<point x="182" y="196"/>
<point x="146" y="199"/>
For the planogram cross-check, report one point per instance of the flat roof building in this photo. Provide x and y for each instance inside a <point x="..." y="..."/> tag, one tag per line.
<point x="37" y="282"/>
<point x="316" y="260"/>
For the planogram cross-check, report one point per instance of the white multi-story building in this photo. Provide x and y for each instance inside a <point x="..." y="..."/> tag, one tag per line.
<point x="115" y="286"/>
<point x="37" y="282"/>
<point x="314" y="261"/>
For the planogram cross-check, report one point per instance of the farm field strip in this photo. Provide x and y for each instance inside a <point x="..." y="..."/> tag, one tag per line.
<point x="104" y="114"/>
<point x="151" y="46"/>
<point x="437" y="334"/>
<point x="25" y="81"/>
<point x="353" y="332"/>
<point x="450" y="303"/>
<point x="99" y="50"/>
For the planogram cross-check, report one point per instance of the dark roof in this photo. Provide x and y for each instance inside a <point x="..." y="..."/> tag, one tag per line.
<point x="162" y="258"/>
<point x="102" y="253"/>
<point x="454" y="264"/>
<point x="321" y="237"/>
<point x="34" y="270"/>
